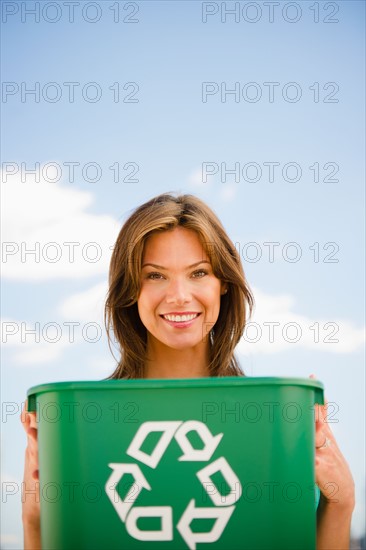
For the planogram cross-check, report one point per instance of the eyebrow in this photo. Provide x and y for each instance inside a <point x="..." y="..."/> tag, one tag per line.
<point x="165" y="268"/>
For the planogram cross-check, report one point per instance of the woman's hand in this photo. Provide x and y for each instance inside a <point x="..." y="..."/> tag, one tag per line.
<point x="30" y="486"/>
<point x="335" y="481"/>
<point x="332" y="472"/>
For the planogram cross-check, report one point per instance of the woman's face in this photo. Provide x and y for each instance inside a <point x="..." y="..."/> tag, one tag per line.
<point x="179" y="301"/>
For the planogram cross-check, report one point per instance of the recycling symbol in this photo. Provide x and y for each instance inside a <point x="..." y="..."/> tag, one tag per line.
<point x="223" y="504"/>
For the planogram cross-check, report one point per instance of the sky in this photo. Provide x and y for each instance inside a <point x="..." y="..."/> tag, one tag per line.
<point x="255" y="107"/>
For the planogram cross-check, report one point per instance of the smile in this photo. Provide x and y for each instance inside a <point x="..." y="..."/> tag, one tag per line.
<point x="180" y="318"/>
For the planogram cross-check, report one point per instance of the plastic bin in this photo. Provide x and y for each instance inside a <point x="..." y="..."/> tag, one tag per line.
<point x="186" y="463"/>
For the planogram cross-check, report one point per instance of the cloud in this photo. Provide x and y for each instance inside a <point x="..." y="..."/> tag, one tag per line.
<point x="36" y="343"/>
<point x="228" y="192"/>
<point x="86" y="306"/>
<point x="47" y="232"/>
<point x="79" y="319"/>
<point x="276" y="326"/>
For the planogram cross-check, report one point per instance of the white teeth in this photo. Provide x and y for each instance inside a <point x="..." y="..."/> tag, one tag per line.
<point x="180" y="318"/>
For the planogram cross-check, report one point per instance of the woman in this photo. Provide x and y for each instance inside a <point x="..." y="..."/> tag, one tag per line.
<point x="178" y="301"/>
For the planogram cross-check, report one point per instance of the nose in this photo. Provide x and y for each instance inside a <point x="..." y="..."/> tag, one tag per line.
<point x="178" y="293"/>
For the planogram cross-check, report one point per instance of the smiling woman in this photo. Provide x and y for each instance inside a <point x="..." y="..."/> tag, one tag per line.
<point x="178" y="298"/>
<point x="178" y="302"/>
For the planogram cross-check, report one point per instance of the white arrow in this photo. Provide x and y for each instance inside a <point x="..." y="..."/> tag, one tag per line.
<point x="191" y="538"/>
<point x="210" y="441"/>
<point x="163" y="512"/>
<point x="220" y="465"/>
<point x="167" y="427"/>
<point x="122" y="506"/>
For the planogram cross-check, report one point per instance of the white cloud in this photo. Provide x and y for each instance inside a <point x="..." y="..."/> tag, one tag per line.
<point x="40" y="354"/>
<point x="52" y="221"/>
<point x="80" y="318"/>
<point x="228" y="192"/>
<point x="276" y="326"/>
<point x="86" y="306"/>
<point x="35" y="343"/>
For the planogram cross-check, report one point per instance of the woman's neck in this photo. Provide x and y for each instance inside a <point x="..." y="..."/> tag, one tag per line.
<point x="164" y="362"/>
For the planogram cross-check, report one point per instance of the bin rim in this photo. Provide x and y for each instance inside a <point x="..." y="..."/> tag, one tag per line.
<point x="176" y="383"/>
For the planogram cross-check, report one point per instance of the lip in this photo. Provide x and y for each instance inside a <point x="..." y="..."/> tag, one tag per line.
<point x="181" y="324"/>
<point x="181" y="313"/>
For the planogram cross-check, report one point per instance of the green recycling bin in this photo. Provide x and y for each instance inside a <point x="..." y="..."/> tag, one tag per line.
<point x="181" y="463"/>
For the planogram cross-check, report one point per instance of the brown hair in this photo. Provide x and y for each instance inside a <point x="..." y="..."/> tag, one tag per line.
<point x="163" y="213"/>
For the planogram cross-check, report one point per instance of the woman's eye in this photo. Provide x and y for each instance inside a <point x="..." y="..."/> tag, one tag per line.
<point x="154" y="276"/>
<point x="200" y="273"/>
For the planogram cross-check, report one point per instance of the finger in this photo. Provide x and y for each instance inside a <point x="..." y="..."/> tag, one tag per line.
<point x="313" y="377"/>
<point x="320" y="427"/>
<point x="32" y="434"/>
<point x="33" y="419"/>
<point x="28" y="418"/>
<point x="321" y="422"/>
<point x="319" y="438"/>
<point x="32" y="449"/>
<point x="24" y="417"/>
<point x="35" y="474"/>
<point x="326" y="413"/>
<point x="321" y="412"/>
<point x="32" y="456"/>
<point x="319" y="415"/>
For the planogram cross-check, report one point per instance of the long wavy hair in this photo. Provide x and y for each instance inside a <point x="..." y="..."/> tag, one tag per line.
<point x="164" y="213"/>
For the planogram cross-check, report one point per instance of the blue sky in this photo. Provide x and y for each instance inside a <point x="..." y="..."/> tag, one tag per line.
<point x="165" y="137"/>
